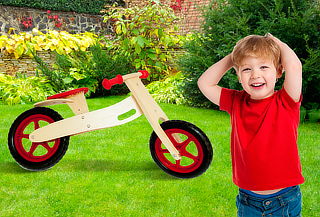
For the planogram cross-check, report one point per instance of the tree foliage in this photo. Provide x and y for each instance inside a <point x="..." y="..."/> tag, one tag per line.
<point x="295" y="22"/>
<point x="146" y="36"/>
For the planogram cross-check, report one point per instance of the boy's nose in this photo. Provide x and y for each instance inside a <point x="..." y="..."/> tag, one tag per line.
<point x="255" y="74"/>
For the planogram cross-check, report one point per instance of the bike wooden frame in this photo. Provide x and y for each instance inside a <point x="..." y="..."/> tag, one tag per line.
<point x="83" y="121"/>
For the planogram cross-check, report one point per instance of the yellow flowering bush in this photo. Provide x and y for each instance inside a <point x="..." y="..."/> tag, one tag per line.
<point x="22" y="89"/>
<point x="62" y="42"/>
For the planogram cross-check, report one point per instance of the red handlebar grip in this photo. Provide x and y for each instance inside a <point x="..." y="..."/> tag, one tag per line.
<point x="144" y="73"/>
<point x="107" y="84"/>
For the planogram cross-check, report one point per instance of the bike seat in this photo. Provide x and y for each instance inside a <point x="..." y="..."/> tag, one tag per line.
<point x="69" y="93"/>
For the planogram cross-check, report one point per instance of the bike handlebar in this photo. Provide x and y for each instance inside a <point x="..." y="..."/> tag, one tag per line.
<point x="107" y="84"/>
<point x="144" y="73"/>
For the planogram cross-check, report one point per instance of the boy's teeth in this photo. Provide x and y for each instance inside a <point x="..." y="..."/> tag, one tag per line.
<point x="257" y="85"/>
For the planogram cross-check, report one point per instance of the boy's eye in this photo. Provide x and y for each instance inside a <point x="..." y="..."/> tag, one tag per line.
<point x="246" y="69"/>
<point x="264" y="67"/>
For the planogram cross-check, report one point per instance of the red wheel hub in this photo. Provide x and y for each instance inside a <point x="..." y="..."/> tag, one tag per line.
<point x="33" y="151"/>
<point x="189" y="147"/>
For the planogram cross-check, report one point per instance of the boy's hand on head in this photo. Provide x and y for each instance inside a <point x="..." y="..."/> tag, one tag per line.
<point x="269" y="35"/>
<point x="293" y="68"/>
<point x="208" y="81"/>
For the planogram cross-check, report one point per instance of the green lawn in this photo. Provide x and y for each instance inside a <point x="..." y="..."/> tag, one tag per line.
<point x="111" y="173"/>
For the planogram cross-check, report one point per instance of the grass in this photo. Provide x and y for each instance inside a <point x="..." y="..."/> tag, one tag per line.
<point x="110" y="172"/>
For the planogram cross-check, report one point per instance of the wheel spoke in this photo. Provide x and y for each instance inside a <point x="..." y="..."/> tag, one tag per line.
<point x="189" y="155"/>
<point x="185" y="143"/>
<point x="36" y="124"/>
<point x="164" y="151"/>
<point x="175" y="139"/>
<point x="46" y="146"/>
<point x="23" y="136"/>
<point x="173" y="136"/>
<point x="178" y="162"/>
<point x="33" y="148"/>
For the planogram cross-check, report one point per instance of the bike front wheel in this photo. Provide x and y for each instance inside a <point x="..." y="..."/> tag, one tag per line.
<point x="32" y="155"/>
<point x="191" y="142"/>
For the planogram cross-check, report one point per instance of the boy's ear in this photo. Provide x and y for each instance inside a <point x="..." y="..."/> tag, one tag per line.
<point x="280" y="71"/>
<point x="238" y="75"/>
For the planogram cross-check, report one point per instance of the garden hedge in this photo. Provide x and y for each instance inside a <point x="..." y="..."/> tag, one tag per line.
<point x="80" y="6"/>
<point x="296" y="22"/>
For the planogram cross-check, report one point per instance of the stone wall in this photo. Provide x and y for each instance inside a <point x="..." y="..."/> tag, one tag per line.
<point x="12" y="17"/>
<point x="25" y="19"/>
<point x="18" y="18"/>
<point x="11" y="66"/>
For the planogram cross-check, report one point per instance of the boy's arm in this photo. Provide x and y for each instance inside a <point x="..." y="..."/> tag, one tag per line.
<point x="208" y="81"/>
<point x="293" y="70"/>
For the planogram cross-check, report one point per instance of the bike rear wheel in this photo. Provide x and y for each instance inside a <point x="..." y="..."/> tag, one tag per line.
<point x="31" y="155"/>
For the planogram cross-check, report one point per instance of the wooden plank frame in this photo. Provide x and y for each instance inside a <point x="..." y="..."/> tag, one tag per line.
<point x="141" y="101"/>
<point x="95" y="120"/>
<point x="151" y="110"/>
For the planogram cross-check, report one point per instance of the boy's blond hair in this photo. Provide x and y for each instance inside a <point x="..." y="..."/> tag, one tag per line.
<point x="256" y="46"/>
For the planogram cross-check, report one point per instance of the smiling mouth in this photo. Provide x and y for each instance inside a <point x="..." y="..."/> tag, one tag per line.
<point x="257" y="85"/>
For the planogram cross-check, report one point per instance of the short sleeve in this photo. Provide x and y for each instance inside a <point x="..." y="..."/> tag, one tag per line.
<point x="226" y="99"/>
<point x="287" y="100"/>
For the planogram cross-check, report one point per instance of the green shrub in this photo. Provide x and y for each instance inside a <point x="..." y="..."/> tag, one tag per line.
<point x="22" y="89"/>
<point x="80" y="6"/>
<point x="85" y="69"/>
<point x="314" y="115"/>
<point x="146" y="36"/>
<point x="311" y="79"/>
<point x="55" y="78"/>
<point x="295" y="22"/>
<point x="168" y="90"/>
<point x="108" y="66"/>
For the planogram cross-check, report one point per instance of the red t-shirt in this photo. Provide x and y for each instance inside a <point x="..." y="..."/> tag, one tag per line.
<point x="263" y="140"/>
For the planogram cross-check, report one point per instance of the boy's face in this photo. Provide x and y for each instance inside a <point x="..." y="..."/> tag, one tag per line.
<point x="258" y="76"/>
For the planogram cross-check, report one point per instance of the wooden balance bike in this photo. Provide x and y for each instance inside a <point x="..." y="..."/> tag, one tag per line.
<point x="39" y="137"/>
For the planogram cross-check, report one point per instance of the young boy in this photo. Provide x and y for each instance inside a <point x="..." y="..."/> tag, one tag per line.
<point x="265" y="160"/>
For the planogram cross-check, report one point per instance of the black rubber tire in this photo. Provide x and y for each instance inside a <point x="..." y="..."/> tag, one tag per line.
<point x="195" y="135"/>
<point x="36" y="164"/>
